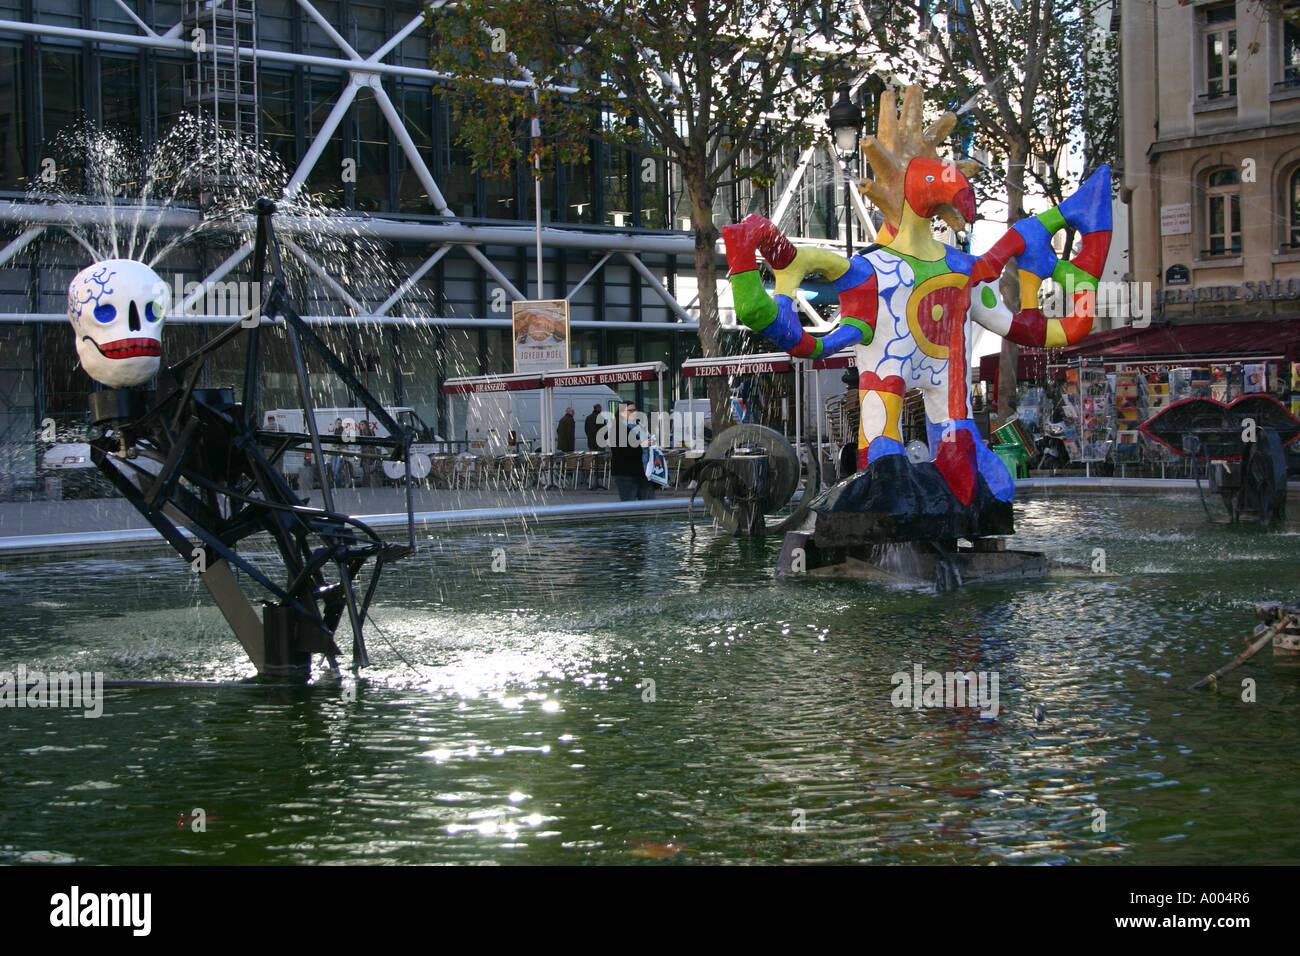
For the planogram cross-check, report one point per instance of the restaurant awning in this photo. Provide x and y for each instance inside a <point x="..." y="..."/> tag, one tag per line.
<point x="518" y="382"/>
<point x="761" y="362"/>
<point x="737" y="365"/>
<point x="1220" y="342"/>
<point x="561" y="378"/>
<point x="605" y="374"/>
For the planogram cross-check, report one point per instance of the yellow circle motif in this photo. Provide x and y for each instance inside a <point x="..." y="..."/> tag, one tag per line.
<point x="945" y="280"/>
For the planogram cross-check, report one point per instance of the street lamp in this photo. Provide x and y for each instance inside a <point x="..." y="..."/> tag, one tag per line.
<point x="845" y="121"/>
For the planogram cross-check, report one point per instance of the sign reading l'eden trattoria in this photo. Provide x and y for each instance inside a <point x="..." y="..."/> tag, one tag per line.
<point x="1266" y="290"/>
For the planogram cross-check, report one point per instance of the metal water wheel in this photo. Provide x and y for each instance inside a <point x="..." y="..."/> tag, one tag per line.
<point x="749" y="471"/>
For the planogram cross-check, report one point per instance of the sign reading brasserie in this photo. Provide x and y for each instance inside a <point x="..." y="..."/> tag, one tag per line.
<point x="541" y="335"/>
<point x="1248" y="291"/>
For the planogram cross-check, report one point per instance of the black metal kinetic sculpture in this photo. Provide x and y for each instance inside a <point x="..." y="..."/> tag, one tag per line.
<point x="212" y="469"/>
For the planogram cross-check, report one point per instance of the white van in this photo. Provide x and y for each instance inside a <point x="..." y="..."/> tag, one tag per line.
<point x="493" y="419"/>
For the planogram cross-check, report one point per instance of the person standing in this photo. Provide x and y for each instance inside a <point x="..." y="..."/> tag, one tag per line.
<point x="564" y="433"/>
<point x="628" y="453"/>
<point x="591" y="425"/>
<point x="336" y="460"/>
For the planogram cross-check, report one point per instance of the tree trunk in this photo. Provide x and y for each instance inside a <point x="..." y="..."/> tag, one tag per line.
<point x="706" y="275"/>
<point x="1016" y="156"/>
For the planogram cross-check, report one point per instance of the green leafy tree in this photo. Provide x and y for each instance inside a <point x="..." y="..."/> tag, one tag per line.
<point x="691" y="82"/>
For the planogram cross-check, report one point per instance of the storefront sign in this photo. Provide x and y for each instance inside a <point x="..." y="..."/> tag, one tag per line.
<point x="1249" y="291"/>
<point x="598" y="378"/>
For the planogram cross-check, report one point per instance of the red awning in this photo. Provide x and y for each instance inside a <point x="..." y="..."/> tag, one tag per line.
<point x="1201" y="342"/>
<point x="605" y="375"/>
<point x="492" y="383"/>
<point x="845" y="359"/>
<point x="736" y="365"/>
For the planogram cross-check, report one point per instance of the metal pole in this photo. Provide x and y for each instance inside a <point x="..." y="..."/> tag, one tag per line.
<point x="696" y="440"/>
<point x="663" y="417"/>
<point x="798" y="404"/>
<point x="848" y="215"/>
<point x="537" y="191"/>
<point x="820" y="413"/>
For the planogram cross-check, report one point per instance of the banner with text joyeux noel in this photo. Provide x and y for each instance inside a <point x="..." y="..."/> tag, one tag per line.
<point x="541" y="335"/>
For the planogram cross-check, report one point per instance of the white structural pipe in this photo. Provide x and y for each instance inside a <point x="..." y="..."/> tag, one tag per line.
<point x="663" y="415"/>
<point x="64" y="214"/>
<point x="658" y="286"/>
<point x="409" y="282"/>
<point x="322" y="140"/>
<point x="170" y="42"/>
<point x="20" y="243"/>
<point x="407" y="321"/>
<point x="409" y="148"/>
<point x="817" y="411"/>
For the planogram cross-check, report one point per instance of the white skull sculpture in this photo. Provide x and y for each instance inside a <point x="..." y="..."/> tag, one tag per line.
<point x="117" y="309"/>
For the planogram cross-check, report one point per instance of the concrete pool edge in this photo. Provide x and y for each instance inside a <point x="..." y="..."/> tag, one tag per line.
<point x="82" y="542"/>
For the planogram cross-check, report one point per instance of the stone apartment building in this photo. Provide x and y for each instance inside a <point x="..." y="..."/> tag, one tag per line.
<point x="1211" y="156"/>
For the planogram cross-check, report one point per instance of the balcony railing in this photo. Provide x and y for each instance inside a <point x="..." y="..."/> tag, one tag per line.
<point x="1233" y="250"/>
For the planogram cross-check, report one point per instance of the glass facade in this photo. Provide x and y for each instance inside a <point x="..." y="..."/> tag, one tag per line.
<point x="49" y="84"/>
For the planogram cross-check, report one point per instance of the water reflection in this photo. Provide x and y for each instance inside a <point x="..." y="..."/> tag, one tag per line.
<point x="522" y="727"/>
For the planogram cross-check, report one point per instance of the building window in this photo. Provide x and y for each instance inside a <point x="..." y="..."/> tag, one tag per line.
<point x="1290" y="24"/>
<point x="1223" y="212"/>
<point x="1293" y="209"/>
<point x="1219" y="46"/>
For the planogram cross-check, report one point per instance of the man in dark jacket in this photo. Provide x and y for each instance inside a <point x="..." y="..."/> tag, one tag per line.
<point x="591" y="425"/>
<point x="564" y="440"/>
<point x="627" y="458"/>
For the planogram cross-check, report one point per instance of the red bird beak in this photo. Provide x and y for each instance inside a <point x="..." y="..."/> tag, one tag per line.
<point x="964" y="203"/>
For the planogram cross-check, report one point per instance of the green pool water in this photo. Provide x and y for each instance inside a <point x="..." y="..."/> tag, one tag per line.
<point x="507" y="717"/>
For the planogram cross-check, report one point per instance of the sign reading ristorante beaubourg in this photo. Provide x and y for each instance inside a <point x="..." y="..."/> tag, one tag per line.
<point x="1261" y="290"/>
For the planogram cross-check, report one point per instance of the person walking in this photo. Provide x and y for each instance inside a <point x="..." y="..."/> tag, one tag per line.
<point x="628" y="453"/>
<point x="591" y="425"/>
<point x="564" y="437"/>
<point x="336" y="460"/>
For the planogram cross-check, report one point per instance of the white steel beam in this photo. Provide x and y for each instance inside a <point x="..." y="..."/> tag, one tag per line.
<point x="410" y="321"/>
<point x="796" y="178"/>
<point x="138" y="22"/>
<point x="325" y="277"/>
<point x="330" y="32"/>
<point x="408" y="147"/>
<point x="583" y="281"/>
<point x="859" y="205"/>
<point x="654" y="283"/>
<point x="20" y="243"/>
<point x="216" y="275"/>
<point x="395" y="40"/>
<point x="323" y="135"/>
<point x="170" y="42"/>
<point x="31" y="214"/>
<point x="490" y="268"/>
<point x="409" y="282"/>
